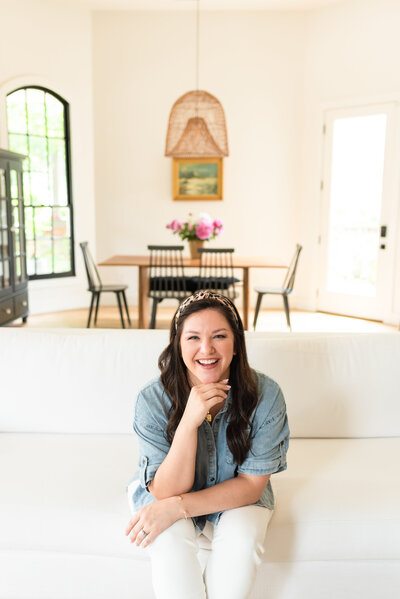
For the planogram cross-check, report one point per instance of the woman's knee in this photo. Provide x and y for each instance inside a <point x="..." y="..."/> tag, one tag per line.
<point x="249" y="522"/>
<point x="181" y="535"/>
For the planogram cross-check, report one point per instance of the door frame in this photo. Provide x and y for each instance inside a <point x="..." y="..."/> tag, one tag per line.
<point x="390" y="209"/>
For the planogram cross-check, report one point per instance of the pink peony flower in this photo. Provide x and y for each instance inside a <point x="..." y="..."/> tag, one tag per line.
<point x="176" y="225"/>
<point x="204" y="229"/>
<point x="218" y="226"/>
<point x="190" y="227"/>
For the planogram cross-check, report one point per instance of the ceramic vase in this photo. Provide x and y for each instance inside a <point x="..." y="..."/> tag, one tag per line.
<point x="193" y="246"/>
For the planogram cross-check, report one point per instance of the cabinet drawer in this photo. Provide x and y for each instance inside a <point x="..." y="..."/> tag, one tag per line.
<point x="6" y="310"/>
<point x="20" y="304"/>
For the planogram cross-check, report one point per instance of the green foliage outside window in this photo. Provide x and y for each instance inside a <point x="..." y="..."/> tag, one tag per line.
<point x="37" y="128"/>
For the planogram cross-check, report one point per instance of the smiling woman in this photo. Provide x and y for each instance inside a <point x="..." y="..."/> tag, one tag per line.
<point x="211" y="432"/>
<point x="207" y="347"/>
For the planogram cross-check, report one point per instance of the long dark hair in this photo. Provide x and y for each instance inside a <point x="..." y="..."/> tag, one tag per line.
<point x="241" y="378"/>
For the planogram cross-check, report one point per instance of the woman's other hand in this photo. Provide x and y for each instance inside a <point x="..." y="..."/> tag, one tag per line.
<point x="150" y="521"/>
<point x="202" y="398"/>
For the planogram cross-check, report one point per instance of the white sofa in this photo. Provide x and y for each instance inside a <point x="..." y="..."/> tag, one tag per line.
<point x="67" y="451"/>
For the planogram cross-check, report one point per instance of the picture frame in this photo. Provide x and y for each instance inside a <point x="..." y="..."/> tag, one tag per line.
<point x="197" y="178"/>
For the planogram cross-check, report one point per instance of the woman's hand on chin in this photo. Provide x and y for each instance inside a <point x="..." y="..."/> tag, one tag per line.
<point x="201" y="399"/>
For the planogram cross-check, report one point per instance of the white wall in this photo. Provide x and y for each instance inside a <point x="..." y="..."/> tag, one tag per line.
<point x="50" y="43"/>
<point x="353" y="57"/>
<point x="273" y="72"/>
<point x="253" y="62"/>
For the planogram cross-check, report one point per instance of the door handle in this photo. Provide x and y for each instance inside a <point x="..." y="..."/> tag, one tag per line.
<point x="383" y="230"/>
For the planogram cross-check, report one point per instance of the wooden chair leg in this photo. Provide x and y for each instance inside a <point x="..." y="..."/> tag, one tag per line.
<point x="153" y="314"/>
<point x="90" y="309"/>
<point x="258" y="304"/>
<point x="120" y="309"/>
<point x="126" y="308"/>
<point x="287" y="312"/>
<point x="97" y="307"/>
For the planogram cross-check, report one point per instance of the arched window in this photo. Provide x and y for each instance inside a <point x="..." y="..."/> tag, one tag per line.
<point x="38" y="126"/>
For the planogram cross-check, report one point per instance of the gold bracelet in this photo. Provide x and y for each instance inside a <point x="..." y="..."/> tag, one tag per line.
<point x="183" y="510"/>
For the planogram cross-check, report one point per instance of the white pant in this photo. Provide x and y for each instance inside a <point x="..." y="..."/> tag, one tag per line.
<point x="235" y="553"/>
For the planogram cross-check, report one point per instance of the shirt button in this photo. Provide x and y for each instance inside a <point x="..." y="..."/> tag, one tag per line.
<point x="212" y="479"/>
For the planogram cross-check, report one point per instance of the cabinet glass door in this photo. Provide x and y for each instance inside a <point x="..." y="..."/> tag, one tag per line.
<point x="17" y="227"/>
<point x="5" y="275"/>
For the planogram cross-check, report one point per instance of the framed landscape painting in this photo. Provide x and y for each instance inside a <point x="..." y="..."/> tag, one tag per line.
<point x="197" y="178"/>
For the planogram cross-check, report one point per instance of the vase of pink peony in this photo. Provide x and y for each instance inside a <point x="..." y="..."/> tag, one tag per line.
<point x="194" y="245"/>
<point x="196" y="230"/>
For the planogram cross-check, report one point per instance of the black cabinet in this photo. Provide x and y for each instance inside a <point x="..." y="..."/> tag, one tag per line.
<point x="13" y="275"/>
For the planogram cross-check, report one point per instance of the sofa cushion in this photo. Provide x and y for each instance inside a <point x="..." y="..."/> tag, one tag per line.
<point x="334" y="385"/>
<point x="339" y="498"/>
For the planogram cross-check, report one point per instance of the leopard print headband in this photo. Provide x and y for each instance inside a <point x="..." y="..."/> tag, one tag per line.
<point x="200" y="295"/>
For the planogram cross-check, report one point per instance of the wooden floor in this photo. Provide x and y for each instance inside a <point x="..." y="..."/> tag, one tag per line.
<point x="268" y="320"/>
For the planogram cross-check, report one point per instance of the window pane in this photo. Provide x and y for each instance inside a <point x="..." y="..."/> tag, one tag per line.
<point x="4" y="242"/>
<point x="62" y="251"/>
<point x="356" y="194"/>
<point x="39" y="189"/>
<point x="36" y="113"/>
<point x="14" y="184"/>
<point x="38" y="147"/>
<point x="6" y="274"/>
<point x="16" y="112"/>
<point x="15" y="216"/>
<point x="30" y="258"/>
<point x="18" y="268"/>
<point x="55" y="117"/>
<point x="29" y="228"/>
<point x="18" y="143"/>
<point x="2" y="183"/>
<point x="44" y="257"/>
<point x="27" y="188"/>
<point x="3" y="213"/>
<point x="43" y="223"/>
<point x="17" y="246"/>
<point x="61" y="222"/>
<point x="57" y="172"/>
<point x="43" y="138"/>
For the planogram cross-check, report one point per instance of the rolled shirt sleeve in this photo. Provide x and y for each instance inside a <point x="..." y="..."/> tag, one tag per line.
<point x="153" y="445"/>
<point x="270" y="435"/>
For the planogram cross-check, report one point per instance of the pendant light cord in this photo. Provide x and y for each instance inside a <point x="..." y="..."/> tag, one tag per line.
<point x="196" y="108"/>
<point x="197" y="42"/>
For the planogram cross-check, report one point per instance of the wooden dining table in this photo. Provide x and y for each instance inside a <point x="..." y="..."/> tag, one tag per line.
<point x="143" y="263"/>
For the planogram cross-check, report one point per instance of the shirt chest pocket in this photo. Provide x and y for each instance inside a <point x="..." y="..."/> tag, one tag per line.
<point x="229" y="458"/>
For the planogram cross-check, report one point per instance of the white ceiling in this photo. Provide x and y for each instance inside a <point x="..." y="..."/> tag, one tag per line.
<point x="204" y="4"/>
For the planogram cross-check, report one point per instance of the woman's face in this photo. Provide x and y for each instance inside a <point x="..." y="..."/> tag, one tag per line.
<point x="207" y="346"/>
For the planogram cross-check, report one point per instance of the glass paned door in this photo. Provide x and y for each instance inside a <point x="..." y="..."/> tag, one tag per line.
<point x="5" y="279"/>
<point x="357" y="204"/>
<point x="17" y="228"/>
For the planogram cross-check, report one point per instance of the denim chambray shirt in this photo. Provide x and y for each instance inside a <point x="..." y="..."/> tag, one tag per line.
<point x="214" y="461"/>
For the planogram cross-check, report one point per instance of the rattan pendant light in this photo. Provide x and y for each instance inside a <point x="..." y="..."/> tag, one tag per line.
<point x="196" y="126"/>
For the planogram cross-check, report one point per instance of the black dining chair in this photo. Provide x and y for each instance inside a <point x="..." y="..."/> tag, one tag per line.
<point x="167" y="276"/>
<point x="284" y="291"/>
<point x="96" y="287"/>
<point x="216" y="271"/>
